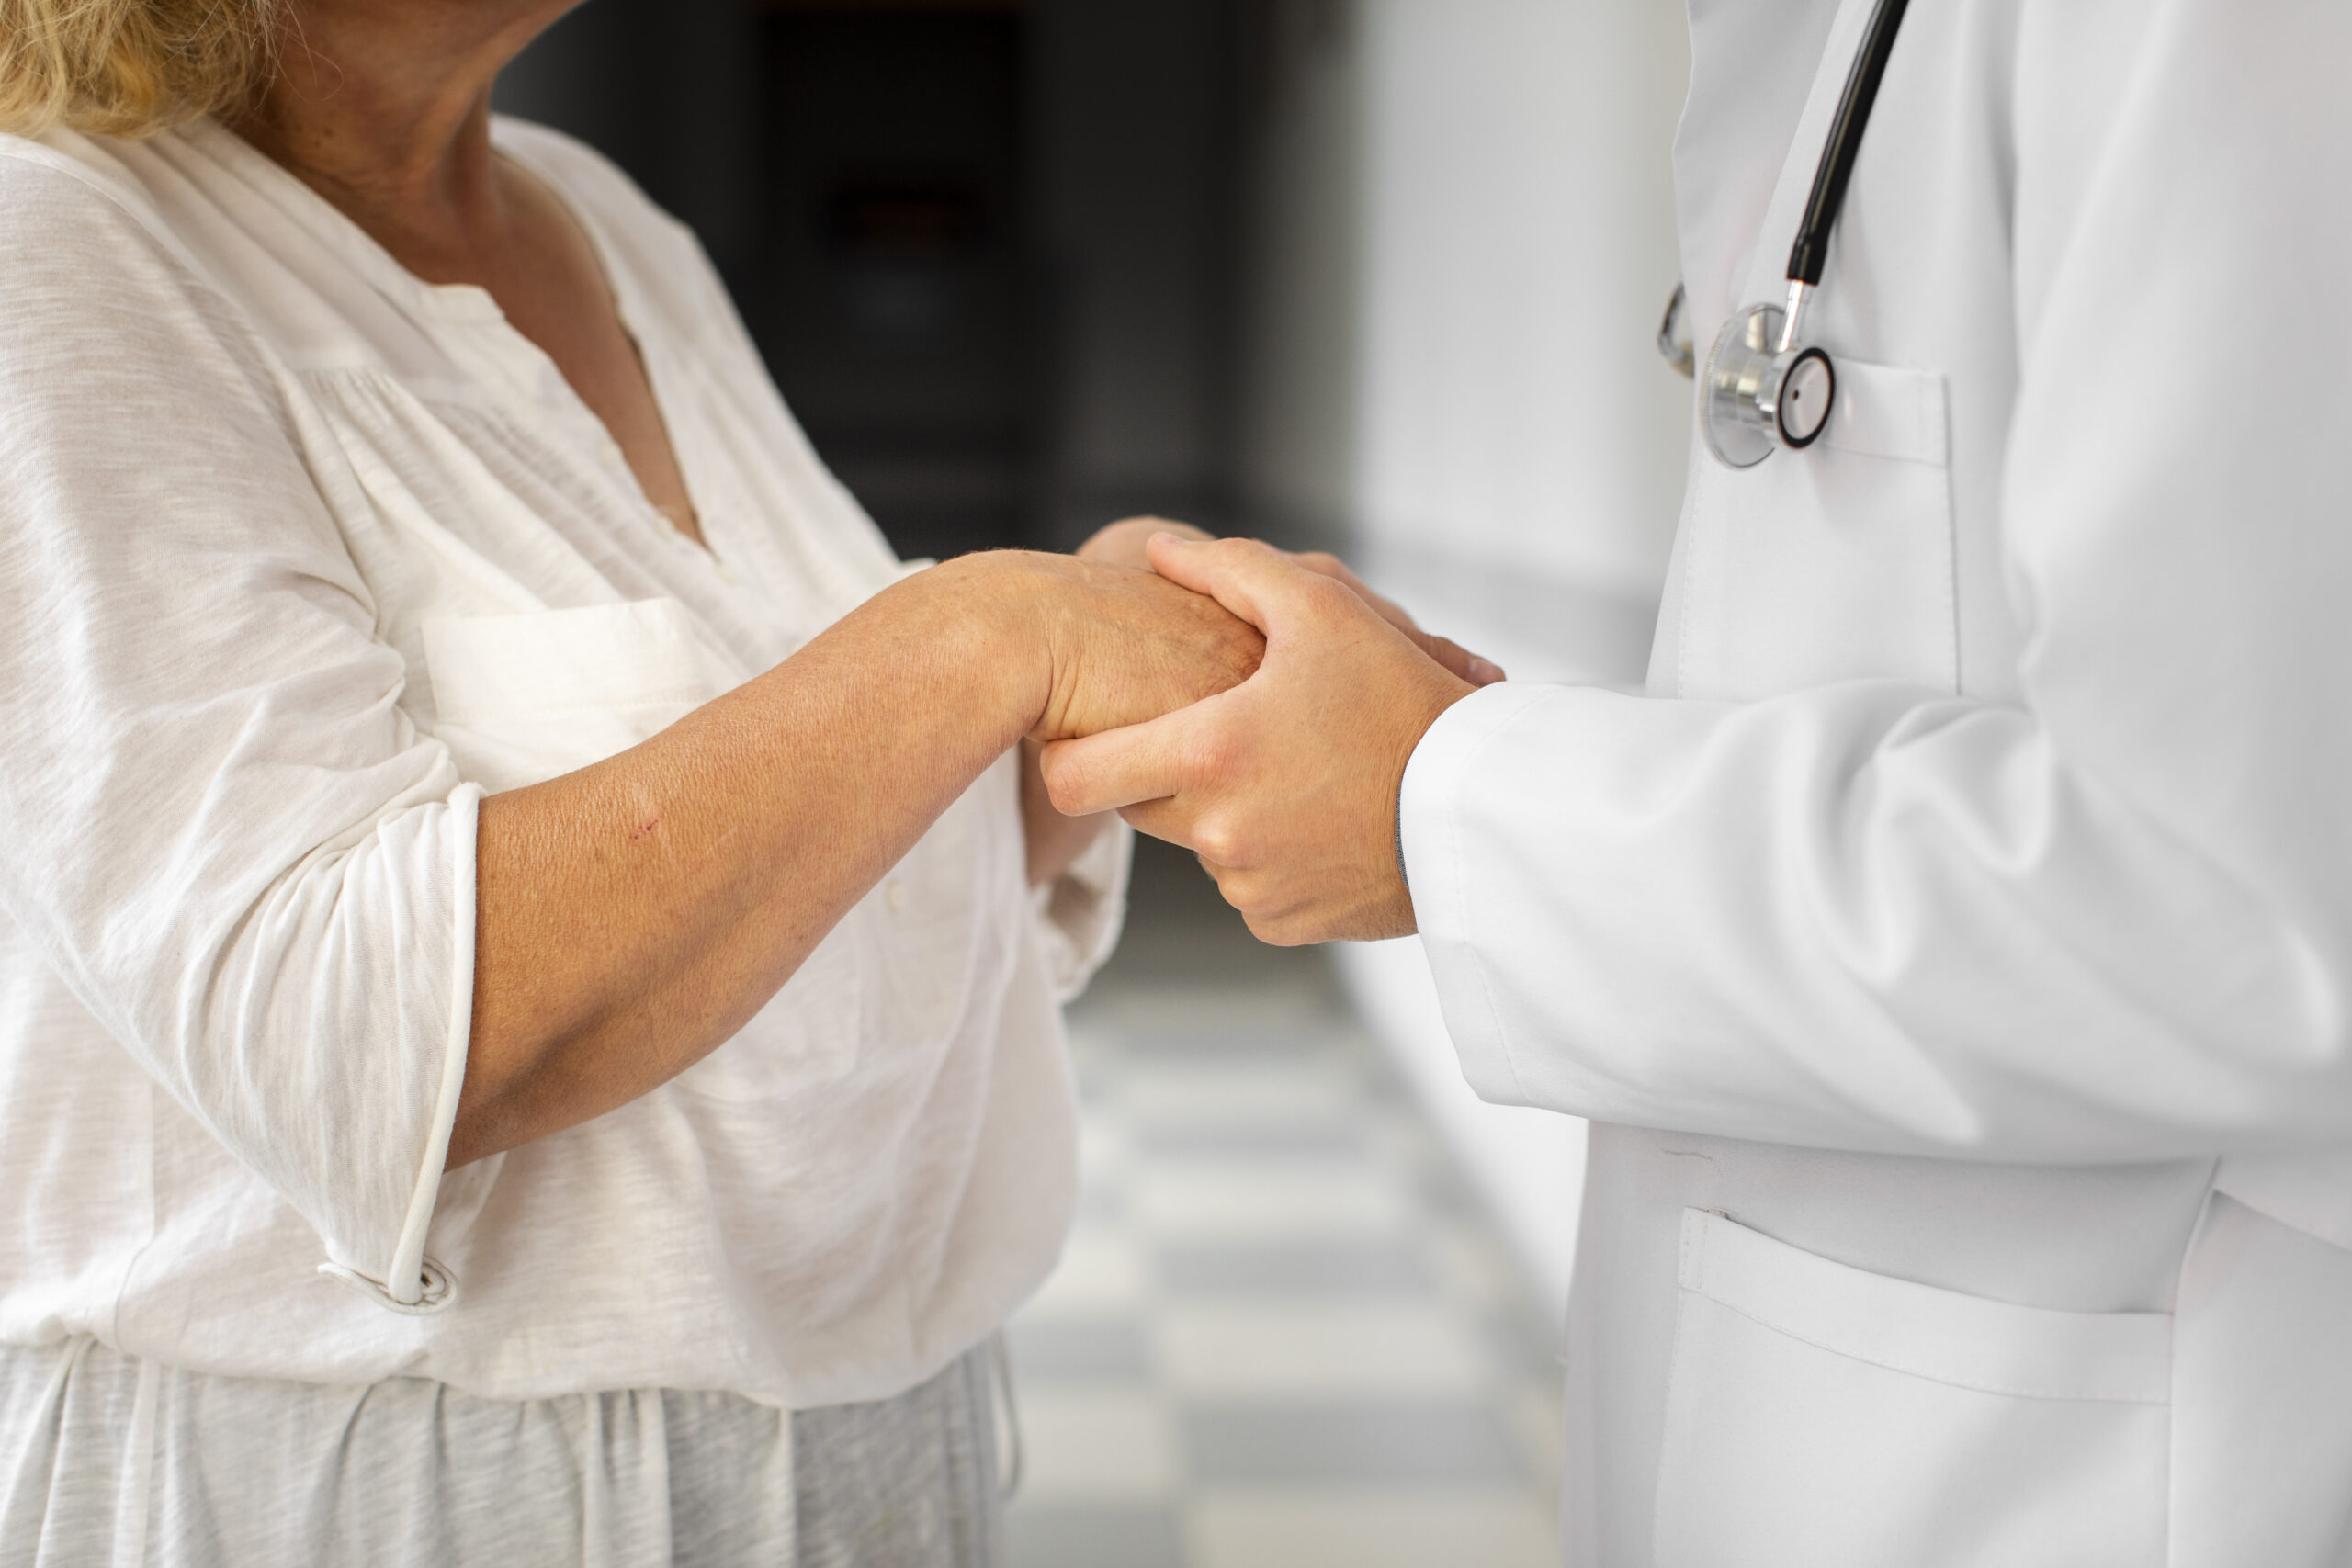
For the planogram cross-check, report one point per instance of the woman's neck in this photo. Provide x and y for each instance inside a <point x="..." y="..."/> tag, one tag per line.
<point x="383" y="108"/>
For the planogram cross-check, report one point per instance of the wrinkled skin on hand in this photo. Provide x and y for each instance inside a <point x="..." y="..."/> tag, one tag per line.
<point x="1128" y="646"/>
<point x="1054" y="842"/>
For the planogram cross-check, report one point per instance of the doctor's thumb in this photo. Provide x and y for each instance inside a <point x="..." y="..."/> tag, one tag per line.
<point x="1251" y="580"/>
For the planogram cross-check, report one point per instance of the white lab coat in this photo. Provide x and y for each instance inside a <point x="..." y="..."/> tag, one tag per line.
<point x="1970" y="900"/>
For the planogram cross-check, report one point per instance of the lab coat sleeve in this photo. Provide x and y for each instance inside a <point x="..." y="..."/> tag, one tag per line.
<point x="2109" y="920"/>
<point x="223" y="833"/>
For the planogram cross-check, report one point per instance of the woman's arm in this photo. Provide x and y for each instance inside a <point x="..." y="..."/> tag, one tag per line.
<point x="279" y="896"/>
<point x="634" y="915"/>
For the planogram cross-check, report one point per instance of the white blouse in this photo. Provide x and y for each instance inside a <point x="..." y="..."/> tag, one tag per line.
<point x="299" y="557"/>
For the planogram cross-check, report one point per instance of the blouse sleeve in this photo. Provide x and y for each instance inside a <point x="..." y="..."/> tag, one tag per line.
<point x="1079" y="914"/>
<point x="223" y="832"/>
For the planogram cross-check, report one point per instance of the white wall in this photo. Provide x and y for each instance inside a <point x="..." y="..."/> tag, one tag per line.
<point x="1464" y="237"/>
<point x="1519" y="444"/>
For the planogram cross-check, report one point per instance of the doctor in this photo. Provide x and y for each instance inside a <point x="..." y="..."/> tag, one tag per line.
<point x="1954" y="947"/>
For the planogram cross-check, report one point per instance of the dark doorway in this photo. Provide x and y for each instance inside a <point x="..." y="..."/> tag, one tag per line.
<point x="894" y="303"/>
<point x="987" y="247"/>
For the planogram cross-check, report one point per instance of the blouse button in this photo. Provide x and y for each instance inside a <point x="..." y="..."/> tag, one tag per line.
<point x="610" y="452"/>
<point x="894" y="894"/>
<point x="435" y="1290"/>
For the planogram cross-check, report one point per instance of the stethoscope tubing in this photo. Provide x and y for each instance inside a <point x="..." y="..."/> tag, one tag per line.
<point x="1836" y="170"/>
<point x="1764" y="388"/>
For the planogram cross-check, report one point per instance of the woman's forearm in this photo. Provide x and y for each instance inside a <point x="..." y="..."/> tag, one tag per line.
<point x="632" y="916"/>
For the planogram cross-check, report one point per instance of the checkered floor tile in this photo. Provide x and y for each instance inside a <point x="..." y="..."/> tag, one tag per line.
<point x="1283" y="1336"/>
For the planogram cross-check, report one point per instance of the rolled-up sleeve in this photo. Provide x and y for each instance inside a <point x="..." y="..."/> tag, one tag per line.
<point x="1081" y="913"/>
<point x="224" y="831"/>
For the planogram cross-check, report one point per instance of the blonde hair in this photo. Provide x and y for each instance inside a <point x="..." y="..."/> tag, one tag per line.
<point x="129" y="67"/>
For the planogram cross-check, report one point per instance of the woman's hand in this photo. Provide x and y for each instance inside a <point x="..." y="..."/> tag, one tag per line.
<point x="1125" y="645"/>
<point x="1123" y="542"/>
<point x="1055" y="842"/>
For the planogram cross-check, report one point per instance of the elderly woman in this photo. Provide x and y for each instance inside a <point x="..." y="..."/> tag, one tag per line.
<point x="529" y="950"/>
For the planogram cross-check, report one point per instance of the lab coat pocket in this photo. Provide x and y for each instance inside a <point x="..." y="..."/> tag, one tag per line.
<point x="1829" y="1417"/>
<point x="521" y="699"/>
<point x="1837" y="563"/>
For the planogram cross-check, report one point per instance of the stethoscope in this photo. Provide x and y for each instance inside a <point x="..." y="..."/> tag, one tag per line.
<point x="1763" y="387"/>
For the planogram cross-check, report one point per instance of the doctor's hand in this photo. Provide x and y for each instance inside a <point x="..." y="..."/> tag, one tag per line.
<point x="1472" y="668"/>
<point x="1287" y="785"/>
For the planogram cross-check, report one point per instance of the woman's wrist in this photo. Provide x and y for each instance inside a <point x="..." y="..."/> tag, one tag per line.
<point x="994" y="623"/>
<point x="1070" y="648"/>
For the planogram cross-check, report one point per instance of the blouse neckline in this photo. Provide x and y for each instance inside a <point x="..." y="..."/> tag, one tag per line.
<point x="471" y="305"/>
<point x="327" y="222"/>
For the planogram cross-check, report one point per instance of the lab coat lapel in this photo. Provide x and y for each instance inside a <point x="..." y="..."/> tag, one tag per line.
<point x="1764" y="83"/>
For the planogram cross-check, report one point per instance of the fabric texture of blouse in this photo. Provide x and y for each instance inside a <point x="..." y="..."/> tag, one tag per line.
<point x="299" y="557"/>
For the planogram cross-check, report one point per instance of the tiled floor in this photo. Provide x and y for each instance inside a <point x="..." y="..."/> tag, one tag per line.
<point x="1282" y="1337"/>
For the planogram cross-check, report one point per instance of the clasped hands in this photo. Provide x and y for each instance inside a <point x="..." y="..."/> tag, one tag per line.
<point x="1281" y="772"/>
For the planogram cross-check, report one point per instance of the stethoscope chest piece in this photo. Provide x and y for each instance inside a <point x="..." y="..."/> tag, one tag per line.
<point x="1763" y="387"/>
<point x="1757" y="395"/>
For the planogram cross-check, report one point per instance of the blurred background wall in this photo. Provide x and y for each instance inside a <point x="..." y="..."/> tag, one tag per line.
<point x="1461" y="237"/>
<point x="1380" y="275"/>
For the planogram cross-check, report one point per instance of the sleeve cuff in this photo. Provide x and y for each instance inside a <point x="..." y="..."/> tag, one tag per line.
<point x="1079" y="914"/>
<point x="1444" y="767"/>
<point x="414" y="1284"/>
